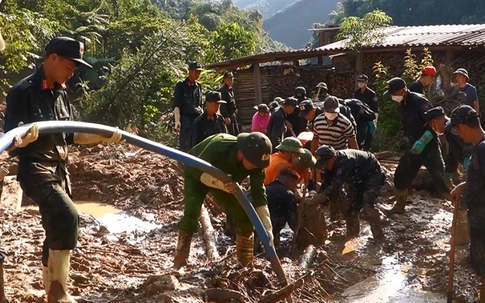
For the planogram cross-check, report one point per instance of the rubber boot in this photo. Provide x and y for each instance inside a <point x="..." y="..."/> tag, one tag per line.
<point x="462" y="232"/>
<point x="334" y="209"/>
<point x="353" y="226"/>
<point x="45" y="279"/>
<point x="481" y="294"/>
<point x="58" y="273"/>
<point x="183" y="249"/>
<point x="399" y="206"/>
<point x="244" y="248"/>
<point x="371" y="215"/>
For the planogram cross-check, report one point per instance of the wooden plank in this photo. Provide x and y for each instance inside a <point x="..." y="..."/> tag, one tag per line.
<point x="257" y="84"/>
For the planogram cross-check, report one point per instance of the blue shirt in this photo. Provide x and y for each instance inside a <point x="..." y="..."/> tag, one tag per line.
<point x="471" y="94"/>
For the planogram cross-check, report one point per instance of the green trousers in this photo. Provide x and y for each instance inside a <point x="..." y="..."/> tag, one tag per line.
<point x="195" y="192"/>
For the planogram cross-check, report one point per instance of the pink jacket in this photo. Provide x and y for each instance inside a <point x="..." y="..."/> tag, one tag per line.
<point x="259" y="123"/>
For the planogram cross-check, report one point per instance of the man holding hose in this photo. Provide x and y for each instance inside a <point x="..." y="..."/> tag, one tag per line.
<point x="42" y="171"/>
<point x="239" y="157"/>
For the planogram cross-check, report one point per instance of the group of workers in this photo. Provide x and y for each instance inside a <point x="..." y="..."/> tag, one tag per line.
<point x="274" y="159"/>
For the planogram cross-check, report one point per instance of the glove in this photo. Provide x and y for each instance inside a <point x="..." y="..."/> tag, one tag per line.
<point x="372" y="126"/>
<point x="263" y="214"/>
<point x="466" y="164"/>
<point x="210" y="181"/>
<point x="377" y="117"/>
<point x="420" y="144"/>
<point x="30" y="137"/>
<point x="176" y="115"/>
<point x="83" y="138"/>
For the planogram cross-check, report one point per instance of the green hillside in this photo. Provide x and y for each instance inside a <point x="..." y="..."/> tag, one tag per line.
<point x="266" y="7"/>
<point x="291" y="25"/>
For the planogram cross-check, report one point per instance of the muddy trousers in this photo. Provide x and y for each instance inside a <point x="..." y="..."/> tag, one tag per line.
<point x="409" y="166"/>
<point x="195" y="193"/>
<point x="60" y="218"/>
<point x="186" y="122"/>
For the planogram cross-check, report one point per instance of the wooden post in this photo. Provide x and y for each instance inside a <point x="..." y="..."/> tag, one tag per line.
<point x="359" y="61"/>
<point x="449" y="56"/>
<point x="258" y="94"/>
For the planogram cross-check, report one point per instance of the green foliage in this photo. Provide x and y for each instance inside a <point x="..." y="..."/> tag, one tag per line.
<point x="230" y="40"/>
<point x="389" y="127"/>
<point x="364" y="31"/>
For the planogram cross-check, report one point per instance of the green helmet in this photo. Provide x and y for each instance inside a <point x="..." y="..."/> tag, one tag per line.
<point x="255" y="147"/>
<point x="307" y="160"/>
<point x="324" y="153"/>
<point x="291" y="144"/>
<point x="322" y="85"/>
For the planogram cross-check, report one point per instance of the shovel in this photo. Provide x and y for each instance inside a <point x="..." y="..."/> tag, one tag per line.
<point x="300" y="213"/>
<point x="449" y="292"/>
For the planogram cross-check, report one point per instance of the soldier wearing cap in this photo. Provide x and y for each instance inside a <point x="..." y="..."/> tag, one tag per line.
<point x="275" y="104"/>
<point x="298" y="124"/>
<point x="462" y="78"/>
<point x="42" y="171"/>
<point x="362" y="172"/>
<point x="187" y="104"/>
<point x="278" y="124"/>
<point x="322" y="92"/>
<point x="466" y="124"/>
<point x="260" y="120"/>
<point x="242" y="156"/>
<point x="229" y="110"/>
<point x="369" y="97"/>
<point x="424" y="148"/>
<point x="209" y="122"/>
<point x="365" y="120"/>
<point x="428" y="75"/>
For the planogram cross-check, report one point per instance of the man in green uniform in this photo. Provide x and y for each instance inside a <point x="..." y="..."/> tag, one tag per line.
<point x="42" y="171"/>
<point x="242" y="156"/>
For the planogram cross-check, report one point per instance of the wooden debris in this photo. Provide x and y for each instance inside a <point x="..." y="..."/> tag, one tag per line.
<point x="208" y="234"/>
<point x="307" y="257"/>
<point x="384" y="155"/>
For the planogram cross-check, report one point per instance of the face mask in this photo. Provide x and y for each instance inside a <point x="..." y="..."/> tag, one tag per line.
<point x="360" y="84"/>
<point x="397" y="99"/>
<point x="331" y="116"/>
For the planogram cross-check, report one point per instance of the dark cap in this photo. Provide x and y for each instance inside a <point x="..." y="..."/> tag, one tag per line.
<point x="274" y="104"/>
<point x="324" y="153"/>
<point x="195" y="66"/>
<point x="262" y="108"/>
<point x="279" y="100"/>
<point x="214" y="96"/>
<point x="255" y="147"/>
<point x="331" y="105"/>
<point x="300" y="90"/>
<point x="306" y="106"/>
<point x="434" y="113"/>
<point x="228" y="75"/>
<point x="290" y="101"/>
<point x="362" y="78"/>
<point x="463" y="114"/>
<point x="394" y="85"/>
<point x="68" y="48"/>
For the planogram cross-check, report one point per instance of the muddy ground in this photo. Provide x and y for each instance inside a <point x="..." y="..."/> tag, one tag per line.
<point x="128" y="259"/>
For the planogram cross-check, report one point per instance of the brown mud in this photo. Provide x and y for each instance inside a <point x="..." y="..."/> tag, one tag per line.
<point x="126" y="246"/>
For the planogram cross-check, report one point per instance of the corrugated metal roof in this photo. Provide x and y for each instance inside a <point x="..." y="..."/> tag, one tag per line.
<point x="431" y="35"/>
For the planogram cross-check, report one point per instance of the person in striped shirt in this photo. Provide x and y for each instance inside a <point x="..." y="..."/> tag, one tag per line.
<point x="332" y="128"/>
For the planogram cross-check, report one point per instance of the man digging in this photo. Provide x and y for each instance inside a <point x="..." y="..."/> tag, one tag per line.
<point x="242" y="156"/>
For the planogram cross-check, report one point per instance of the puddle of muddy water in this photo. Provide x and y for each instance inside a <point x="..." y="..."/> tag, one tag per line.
<point x="109" y="216"/>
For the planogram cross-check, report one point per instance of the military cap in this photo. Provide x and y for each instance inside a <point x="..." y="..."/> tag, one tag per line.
<point x="255" y="147"/>
<point x="331" y="105"/>
<point x="362" y="78"/>
<point x="322" y="85"/>
<point x="394" y="85"/>
<point x="273" y="104"/>
<point x="324" y="153"/>
<point x="461" y="71"/>
<point x="68" y="48"/>
<point x="306" y="106"/>
<point x="262" y="108"/>
<point x="214" y="96"/>
<point x="306" y="160"/>
<point x="228" y="75"/>
<point x="434" y="113"/>
<point x="300" y="90"/>
<point x="290" y="101"/>
<point x="195" y="66"/>
<point x="463" y="114"/>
